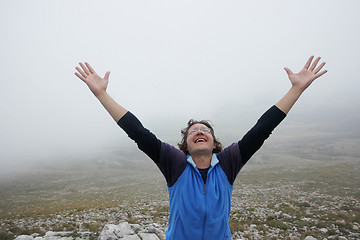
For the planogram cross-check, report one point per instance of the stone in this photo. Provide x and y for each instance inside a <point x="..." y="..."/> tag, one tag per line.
<point x="55" y="234"/>
<point x="148" y="236"/>
<point x="24" y="237"/>
<point x="252" y="226"/>
<point x="310" y="238"/>
<point x="323" y="230"/>
<point x="130" y="237"/>
<point x="354" y="235"/>
<point x="111" y="231"/>
<point x="279" y="214"/>
<point x="340" y="222"/>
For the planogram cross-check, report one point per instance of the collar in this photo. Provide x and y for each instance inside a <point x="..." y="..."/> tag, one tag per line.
<point x="214" y="160"/>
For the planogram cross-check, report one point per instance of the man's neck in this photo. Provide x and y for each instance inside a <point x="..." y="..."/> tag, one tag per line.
<point x="202" y="161"/>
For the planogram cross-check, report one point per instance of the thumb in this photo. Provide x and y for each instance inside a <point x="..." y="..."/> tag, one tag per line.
<point x="106" y="77"/>
<point x="288" y="71"/>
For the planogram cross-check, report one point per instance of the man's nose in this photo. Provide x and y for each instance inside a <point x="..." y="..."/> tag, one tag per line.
<point x="199" y="132"/>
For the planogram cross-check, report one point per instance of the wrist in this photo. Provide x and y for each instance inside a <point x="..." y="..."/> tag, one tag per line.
<point x="101" y="95"/>
<point x="296" y="90"/>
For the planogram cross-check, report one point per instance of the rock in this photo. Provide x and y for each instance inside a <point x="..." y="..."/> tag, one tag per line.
<point x="148" y="236"/>
<point x="285" y="215"/>
<point x="156" y="225"/>
<point x="252" y="226"/>
<point x="136" y="227"/>
<point x="124" y="231"/>
<point x="130" y="237"/>
<point x="111" y="231"/>
<point x="340" y="222"/>
<point x="55" y="234"/>
<point x="323" y="230"/>
<point x="310" y="238"/>
<point x="354" y="235"/>
<point x="151" y="229"/>
<point x="48" y="236"/>
<point x="279" y="214"/>
<point x="24" y="237"/>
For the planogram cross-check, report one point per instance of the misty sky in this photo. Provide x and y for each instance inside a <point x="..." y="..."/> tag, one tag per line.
<point x="170" y="61"/>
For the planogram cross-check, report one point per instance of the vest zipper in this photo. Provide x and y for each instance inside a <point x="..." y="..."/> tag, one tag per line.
<point x="204" y="188"/>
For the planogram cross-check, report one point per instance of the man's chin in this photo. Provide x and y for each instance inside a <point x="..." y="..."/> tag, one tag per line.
<point x="201" y="151"/>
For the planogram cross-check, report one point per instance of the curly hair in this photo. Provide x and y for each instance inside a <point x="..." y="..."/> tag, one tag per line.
<point x="184" y="132"/>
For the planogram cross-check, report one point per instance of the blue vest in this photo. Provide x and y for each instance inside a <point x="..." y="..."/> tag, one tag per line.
<point x="200" y="211"/>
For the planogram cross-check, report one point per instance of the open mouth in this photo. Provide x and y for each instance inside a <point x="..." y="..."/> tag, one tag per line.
<point x="200" y="140"/>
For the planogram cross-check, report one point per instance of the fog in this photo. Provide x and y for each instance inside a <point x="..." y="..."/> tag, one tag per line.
<point x="169" y="61"/>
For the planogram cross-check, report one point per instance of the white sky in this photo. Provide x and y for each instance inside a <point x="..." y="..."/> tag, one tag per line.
<point x="170" y="61"/>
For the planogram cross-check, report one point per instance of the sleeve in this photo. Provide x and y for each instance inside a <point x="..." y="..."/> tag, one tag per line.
<point x="255" y="138"/>
<point x="170" y="161"/>
<point x="146" y="141"/>
<point x="234" y="157"/>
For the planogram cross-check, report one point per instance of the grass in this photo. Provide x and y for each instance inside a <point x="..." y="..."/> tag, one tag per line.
<point x="310" y="195"/>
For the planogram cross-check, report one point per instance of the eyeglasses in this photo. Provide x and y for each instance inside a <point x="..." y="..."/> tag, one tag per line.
<point x="195" y="130"/>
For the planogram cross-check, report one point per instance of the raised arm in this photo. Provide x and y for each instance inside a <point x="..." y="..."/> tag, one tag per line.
<point x="98" y="87"/>
<point x="300" y="81"/>
<point x="146" y="141"/>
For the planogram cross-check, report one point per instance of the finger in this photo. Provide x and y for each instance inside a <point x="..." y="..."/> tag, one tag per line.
<point x="307" y="65"/>
<point x="314" y="64"/>
<point x="288" y="71"/>
<point x="90" y="68"/>
<point x="107" y="75"/>
<point x="320" y="73"/>
<point x="85" y="69"/>
<point x="79" y="76"/>
<point x="319" y="68"/>
<point x="81" y="72"/>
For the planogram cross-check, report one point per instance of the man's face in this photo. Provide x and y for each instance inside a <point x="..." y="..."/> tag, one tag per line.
<point x="199" y="139"/>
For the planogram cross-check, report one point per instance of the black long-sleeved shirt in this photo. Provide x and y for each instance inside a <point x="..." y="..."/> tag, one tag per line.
<point x="248" y="145"/>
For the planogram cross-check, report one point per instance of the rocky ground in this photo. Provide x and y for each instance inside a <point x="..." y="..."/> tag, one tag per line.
<point x="268" y="203"/>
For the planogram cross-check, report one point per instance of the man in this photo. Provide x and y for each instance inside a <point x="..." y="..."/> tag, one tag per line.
<point x="201" y="174"/>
